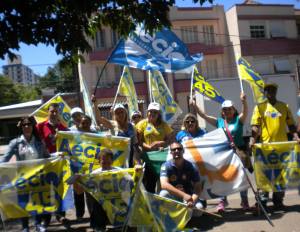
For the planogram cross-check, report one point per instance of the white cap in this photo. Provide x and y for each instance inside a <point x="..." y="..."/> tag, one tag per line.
<point x="227" y="104"/>
<point x="76" y="110"/>
<point x="154" y="106"/>
<point x="119" y="106"/>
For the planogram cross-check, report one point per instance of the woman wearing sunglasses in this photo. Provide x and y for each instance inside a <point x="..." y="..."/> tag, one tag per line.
<point x="190" y="129"/>
<point x="232" y="123"/>
<point x="27" y="146"/>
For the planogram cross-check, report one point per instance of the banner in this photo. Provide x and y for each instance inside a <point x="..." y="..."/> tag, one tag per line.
<point x="247" y="73"/>
<point x="163" y="51"/>
<point x="88" y="106"/>
<point x="221" y="170"/>
<point x="277" y="165"/>
<point x="82" y="149"/>
<point x="113" y="190"/>
<point x="127" y="89"/>
<point x="41" y="114"/>
<point x="161" y="94"/>
<point x="34" y="187"/>
<point x="206" y="89"/>
<point x="158" y="213"/>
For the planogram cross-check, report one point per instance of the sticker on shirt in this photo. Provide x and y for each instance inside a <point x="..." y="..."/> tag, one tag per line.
<point x="173" y="178"/>
<point x="273" y="114"/>
<point x="230" y="127"/>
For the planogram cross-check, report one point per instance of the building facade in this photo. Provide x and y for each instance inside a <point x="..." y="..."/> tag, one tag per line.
<point x="20" y="73"/>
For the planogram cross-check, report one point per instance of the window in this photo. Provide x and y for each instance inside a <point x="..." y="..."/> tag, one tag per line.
<point x="282" y="65"/>
<point x="212" y="69"/>
<point x="114" y="38"/>
<point x="257" y="31"/>
<point x="277" y="29"/>
<point x="209" y="35"/>
<point x="298" y="29"/>
<point x="100" y="39"/>
<point x="189" y="34"/>
<point x="103" y="79"/>
<point x="118" y="72"/>
<point x="262" y="65"/>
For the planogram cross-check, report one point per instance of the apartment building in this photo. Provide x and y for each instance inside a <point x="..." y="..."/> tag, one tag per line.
<point x="20" y="73"/>
<point x="267" y="35"/>
<point x="203" y="31"/>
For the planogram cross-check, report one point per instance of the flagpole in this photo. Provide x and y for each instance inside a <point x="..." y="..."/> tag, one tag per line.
<point x="192" y="78"/>
<point x="149" y="86"/>
<point x="114" y="102"/>
<point x="239" y="74"/>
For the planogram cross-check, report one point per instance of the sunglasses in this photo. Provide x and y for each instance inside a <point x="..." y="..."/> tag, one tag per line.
<point x="190" y="121"/>
<point x="27" y="124"/>
<point x="176" y="149"/>
<point x="138" y="116"/>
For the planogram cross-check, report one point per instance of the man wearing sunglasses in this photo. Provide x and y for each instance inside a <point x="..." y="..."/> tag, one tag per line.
<point x="179" y="179"/>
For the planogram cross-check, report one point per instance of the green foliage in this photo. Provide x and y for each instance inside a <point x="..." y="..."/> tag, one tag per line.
<point x="65" y="24"/>
<point x="11" y="93"/>
<point x="61" y="77"/>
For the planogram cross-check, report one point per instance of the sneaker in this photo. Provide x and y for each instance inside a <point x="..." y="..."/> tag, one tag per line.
<point x="221" y="207"/>
<point x="245" y="205"/>
<point x="40" y="228"/>
<point x="199" y="205"/>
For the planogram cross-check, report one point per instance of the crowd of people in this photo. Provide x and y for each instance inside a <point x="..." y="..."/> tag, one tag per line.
<point x="179" y="179"/>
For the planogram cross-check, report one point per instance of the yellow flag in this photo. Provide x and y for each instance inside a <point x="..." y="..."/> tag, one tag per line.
<point x="247" y="73"/>
<point x="41" y="114"/>
<point x="127" y="89"/>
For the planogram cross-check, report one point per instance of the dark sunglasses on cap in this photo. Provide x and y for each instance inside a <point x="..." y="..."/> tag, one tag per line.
<point x="190" y="121"/>
<point x="27" y="124"/>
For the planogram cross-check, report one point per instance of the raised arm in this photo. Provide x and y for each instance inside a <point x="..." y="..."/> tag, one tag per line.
<point x="102" y="120"/>
<point x="210" y="119"/>
<point x="244" y="113"/>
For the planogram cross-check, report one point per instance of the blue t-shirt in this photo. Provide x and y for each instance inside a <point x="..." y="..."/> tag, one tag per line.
<point x="180" y="178"/>
<point x="184" y="135"/>
<point x="236" y="130"/>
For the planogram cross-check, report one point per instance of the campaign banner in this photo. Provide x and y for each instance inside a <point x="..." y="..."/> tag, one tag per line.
<point x="83" y="148"/>
<point x="112" y="189"/>
<point x="221" y="170"/>
<point x="205" y="88"/>
<point x="277" y="165"/>
<point x="162" y="51"/>
<point x="156" y="213"/>
<point x="34" y="187"/>
<point x="41" y="114"/>
<point x="162" y="95"/>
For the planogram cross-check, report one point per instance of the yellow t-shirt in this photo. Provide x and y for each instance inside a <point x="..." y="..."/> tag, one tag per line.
<point x="152" y="133"/>
<point x="273" y="120"/>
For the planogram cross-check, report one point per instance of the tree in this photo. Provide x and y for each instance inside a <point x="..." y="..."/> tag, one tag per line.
<point x="66" y="24"/>
<point x="60" y="77"/>
<point x="11" y="93"/>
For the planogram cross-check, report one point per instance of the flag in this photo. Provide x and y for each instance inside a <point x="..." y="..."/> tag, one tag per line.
<point x="127" y="89"/>
<point x="206" y="89"/>
<point x="158" y="213"/>
<point x="34" y="187"/>
<point x="155" y="159"/>
<point x="221" y="170"/>
<point x="163" y="51"/>
<point x="276" y="165"/>
<point x="247" y="73"/>
<point x="88" y="108"/>
<point x="41" y="114"/>
<point x="161" y="94"/>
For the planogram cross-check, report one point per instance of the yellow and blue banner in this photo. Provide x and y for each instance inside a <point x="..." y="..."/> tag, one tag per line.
<point x="277" y="165"/>
<point x="34" y="187"/>
<point x="127" y="89"/>
<point x="41" y="114"/>
<point x="83" y="148"/>
<point x="161" y="94"/>
<point x="206" y="89"/>
<point x="158" y="213"/>
<point x="247" y="73"/>
<point x="113" y="189"/>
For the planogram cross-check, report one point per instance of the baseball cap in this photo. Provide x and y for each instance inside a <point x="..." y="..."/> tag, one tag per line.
<point x="271" y="85"/>
<point x="76" y="110"/>
<point x="227" y="104"/>
<point x="154" y="106"/>
<point x="119" y="106"/>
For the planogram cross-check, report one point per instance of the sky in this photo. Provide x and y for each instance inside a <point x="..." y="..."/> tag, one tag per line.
<point x="40" y="58"/>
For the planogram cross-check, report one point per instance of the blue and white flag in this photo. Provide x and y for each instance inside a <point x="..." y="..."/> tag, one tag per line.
<point x="163" y="51"/>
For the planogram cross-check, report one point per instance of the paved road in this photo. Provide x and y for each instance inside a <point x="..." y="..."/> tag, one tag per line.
<point x="234" y="219"/>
